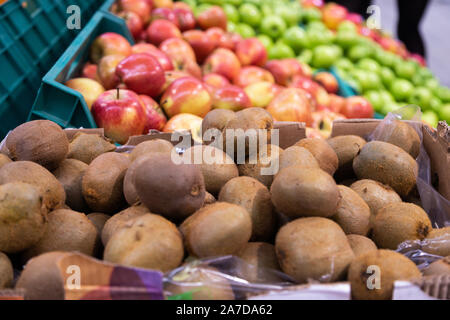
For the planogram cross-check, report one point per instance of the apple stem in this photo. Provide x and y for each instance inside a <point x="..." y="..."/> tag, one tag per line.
<point x="117" y="93"/>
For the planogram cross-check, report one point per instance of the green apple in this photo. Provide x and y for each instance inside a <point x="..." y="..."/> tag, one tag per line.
<point x="305" y="56"/>
<point x="444" y="113"/>
<point x="401" y="89"/>
<point x="431" y="83"/>
<point x="325" y="55"/>
<point x="359" y="52"/>
<point x="288" y="14"/>
<point x="387" y="76"/>
<point x="265" y="40"/>
<point x="386" y="58"/>
<point x="390" y="107"/>
<point x="405" y="69"/>
<point x="202" y="7"/>
<point x="368" y="80"/>
<point x="346" y="38"/>
<point x="442" y="93"/>
<point x="245" y="30"/>
<point x="280" y="50"/>
<point x="344" y="63"/>
<point x="311" y="14"/>
<point x="418" y="80"/>
<point x="256" y="3"/>
<point x="316" y="37"/>
<point x="424" y="72"/>
<point x="421" y="96"/>
<point x="231" y="12"/>
<point x="435" y="104"/>
<point x="266" y="10"/>
<point x="375" y="99"/>
<point x="386" y="96"/>
<point x="250" y="14"/>
<point x="296" y="38"/>
<point x="431" y="118"/>
<point x="369" y="65"/>
<point x="273" y="26"/>
<point x="191" y="3"/>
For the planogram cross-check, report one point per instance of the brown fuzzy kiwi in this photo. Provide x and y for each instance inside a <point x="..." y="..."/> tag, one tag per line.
<point x="67" y="230"/>
<point x="388" y="164"/>
<point x="4" y="159"/>
<point x="254" y="124"/>
<point x="40" y="141"/>
<point x="438" y="267"/>
<point x="217" y="167"/>
<point x="23" y="217"/>
<point x="173" y="190"/>
<point x="150" y="146"/>
<point x="261" y="260"/>
<point x="375" y="194"/>
<point x="129" y="189"/>
<point x="70" y="173"/>
<point x="41" y="277"/>
<point x="218" y="229"/>
<point x="398" y="222"/>
<point x="148" y="241"/>
<point x="50" y="188"/>
<point x="353" y="213"/>
<point x="295" y="155"/>
<point x="102" y="182"/>
<point x="86" y="147"/>
<point x="437" y="242"/>
<point x="99" y="221"/>
<point x="392" y="266"/>
<point x="298" y="191"/>
<point x="360" y="244"/>
<point x="321" y="150"/>
<point x="215" y="119"/>
<point x="203" y="283"/>
<point x="255" y="198"/>
<point x="346" y="148"/>
<point x="262" y="166"/>
<point x="117" y="221"/>
<point x="209" y="199"/>
<point x="402" y="135"/>
<point x="313" y="248"/>
<point x="6" y="271"/>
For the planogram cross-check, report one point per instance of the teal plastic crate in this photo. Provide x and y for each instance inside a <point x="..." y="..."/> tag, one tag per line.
<point x="59" y="103"/>
<point x="106" y="7"/>
<point x="33" y="34"/>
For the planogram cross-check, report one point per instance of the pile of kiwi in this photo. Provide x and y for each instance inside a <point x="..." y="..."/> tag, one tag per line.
<point x="329" y="210"/>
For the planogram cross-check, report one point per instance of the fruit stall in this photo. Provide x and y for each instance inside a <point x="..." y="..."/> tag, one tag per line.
<point x="218" y="150"/>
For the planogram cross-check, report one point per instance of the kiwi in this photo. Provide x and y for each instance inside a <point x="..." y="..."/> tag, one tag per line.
<point x="215" y="119"/>
<point x="375" y="194"/>
<point x="360" y="244"/>
<point x="438" y="267"/>
<point x="70" y="174"/>
<point x="346" y="148"/>
<point x="263" y="165"/>
<point x="23" y="217"/>
<point x="49" y="187"/>
<point x="129" y="190"/>
<point x="295" y="155"/>
<point x="402" y="135"/>
<point x="173" y="190"/>
<point x="352" y="214"/>
<point x="437" y="242"/>
<point x="148" y="241"/>
<point x="98" y="220"/>
<point x="398" y="222"/>
<point x="298" y="191"/>
<point x="6" y="271"/>
<point x="41" y="277"/>
<point x="86" y="147"/>
<point x="313" y="248"/>
<point x="4" y="159"/>
<point x="392" y="266"/>
<point x="255" y="198"/>
<point x="321" y="150"/>
<point x="40" y="141"/>
<point x="202" y="283"/>
<point x="216" y="166"/>
<point x="209" y="199"/>
<point x="388" y="164"/>
<point x="117" y="221"/>
<point x="218" y="229"/>
<point x="261" y="260"/>
<point x="102" y="183"/>
<point x="150" y="146"/>
<point x="67" y="230"/>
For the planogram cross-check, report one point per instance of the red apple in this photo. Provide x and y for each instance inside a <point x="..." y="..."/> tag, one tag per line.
<point x="107" y="44"/>
<point x="213" y="16"/>
<point x="312" y="3"/>
<point x="215" y="34"/>
<point x="160" y="30"/>
<point x="223" y="62"/>
<point x="357" y="107"/>
<point x="178" y="50"/>
<point x="162" y="3"/>
<point x="230" y="97"/>
<point x="90" y="71"/>
<point x="186" y="95"/>
<point x="323" y="121"/>
<point x="284" y="70"/>
<point x="90" y="89"/>
<point x="291" y="104"/>
<point x="142" y="73"/>
<point x="251" y="74"/>
<point x="120" y="113"/>
<point x="185" y="17"/>
<point x="191" y="67"/>
<point x="156" y="119"/>
<point x="107" y="71"/>
<point x="142" y="37"/>
<point x="418" y="58"/>
<point x="251" y="52"/>
<point x="133" y="21"/>
<point x="333" y="14"/>
<point x="336" y="103"/>
<point x="313" y="133"/>
<point x="165" y="14"/>
<point x="319" y="94"/>
<point x="171" y="76"/>
<point x="150" y="49"/>
<point x="327" y="80"/>
<point x="140" y="7"/>
<point x="355" y="18"/>
<point x="215" y="80"/>
<point x="181" y="5"/>
<point x="261" y="93"/>
<point x="202" y="45"/>
<point x="185" y="121"/>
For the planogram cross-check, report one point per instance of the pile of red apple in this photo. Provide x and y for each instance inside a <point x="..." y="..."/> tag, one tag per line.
<point x="183" y="66"/>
